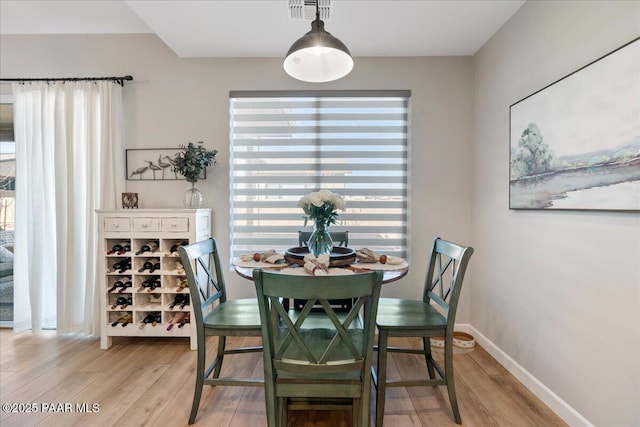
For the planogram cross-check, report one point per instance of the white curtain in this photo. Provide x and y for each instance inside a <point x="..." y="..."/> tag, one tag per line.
<point x="69" y="162"/>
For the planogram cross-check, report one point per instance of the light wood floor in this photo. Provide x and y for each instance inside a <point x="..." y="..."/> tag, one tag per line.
<point x="150" y="382"/>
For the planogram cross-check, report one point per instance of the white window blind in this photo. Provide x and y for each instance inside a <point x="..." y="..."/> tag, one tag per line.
<point x="287" y="144"/>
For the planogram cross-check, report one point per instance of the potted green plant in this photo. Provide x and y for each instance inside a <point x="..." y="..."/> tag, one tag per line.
<point x="190" y="162"/>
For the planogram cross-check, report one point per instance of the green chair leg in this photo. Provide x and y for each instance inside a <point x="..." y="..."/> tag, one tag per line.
<point x="282" y="412"/>
<point x="222" y="342"/>
<point x="197" y="392"/>
<point x="381" y="389"/>
<point x="364" y="405"/>
<point x="451" y="388"/>
<point x="356" y="412"/>
<point x="426" y="342"/>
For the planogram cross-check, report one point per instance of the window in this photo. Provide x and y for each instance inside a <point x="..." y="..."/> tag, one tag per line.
<point x="287" y="144"/>
<point x="7" y="165"/>
<point x="7" y="209"/>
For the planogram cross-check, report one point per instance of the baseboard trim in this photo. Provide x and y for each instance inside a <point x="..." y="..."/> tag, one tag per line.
<point x="552" y="400"/>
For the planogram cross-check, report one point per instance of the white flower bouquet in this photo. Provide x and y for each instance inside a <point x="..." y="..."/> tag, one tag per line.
<point x="322" y="205"/>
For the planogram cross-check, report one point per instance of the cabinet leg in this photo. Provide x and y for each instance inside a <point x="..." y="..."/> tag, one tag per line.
<point x="105" y="342"/>
<point x="194" y="342"/>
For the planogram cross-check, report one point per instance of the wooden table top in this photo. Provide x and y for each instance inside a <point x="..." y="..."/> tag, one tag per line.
<point x="388" y="277"/>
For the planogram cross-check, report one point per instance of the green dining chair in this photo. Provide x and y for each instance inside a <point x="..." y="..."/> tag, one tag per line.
<point x="215" y="315"/>
<point x="340" y="238"/>
<point x="433" y="316"/>
<point x="323" y="367"/>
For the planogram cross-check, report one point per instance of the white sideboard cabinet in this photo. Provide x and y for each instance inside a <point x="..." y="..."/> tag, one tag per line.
<point x="142" y="284"/>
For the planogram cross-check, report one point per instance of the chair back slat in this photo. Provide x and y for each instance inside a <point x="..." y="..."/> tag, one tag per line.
<point x="205" y="265"/>
<point x="308" y="307"/>
<point x="446" y="270"/>
<point x="342" y="344"/>
<point x="341" y="336"/>
<point x="296" y="286"/>
<point x="293" y="333"/>
<point x="211" y="300"/>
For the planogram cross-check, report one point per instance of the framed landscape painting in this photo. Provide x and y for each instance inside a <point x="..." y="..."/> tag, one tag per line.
<point x="575" y="144"/>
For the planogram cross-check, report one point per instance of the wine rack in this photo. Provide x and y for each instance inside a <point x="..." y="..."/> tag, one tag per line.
<point x="142" y="285"/>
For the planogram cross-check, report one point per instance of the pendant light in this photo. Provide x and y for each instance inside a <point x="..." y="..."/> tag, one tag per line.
<point x="318" y="57"/>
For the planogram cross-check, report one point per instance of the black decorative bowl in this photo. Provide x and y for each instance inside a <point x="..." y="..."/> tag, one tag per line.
<point x="339" y="256"/>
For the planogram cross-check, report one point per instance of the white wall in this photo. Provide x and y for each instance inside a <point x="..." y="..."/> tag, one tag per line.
<point x="558" y="292"/>
<point x="173" y="101"/>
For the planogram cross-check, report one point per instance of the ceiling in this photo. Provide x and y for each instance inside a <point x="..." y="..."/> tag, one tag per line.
<point x="263" y="28"/>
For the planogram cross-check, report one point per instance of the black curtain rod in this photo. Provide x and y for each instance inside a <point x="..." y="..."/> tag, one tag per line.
<point x="119" y="80"/>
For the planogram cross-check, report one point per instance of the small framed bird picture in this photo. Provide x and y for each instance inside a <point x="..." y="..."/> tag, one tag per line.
<point x="152" y="164"/>
<point x="129" y="200"/>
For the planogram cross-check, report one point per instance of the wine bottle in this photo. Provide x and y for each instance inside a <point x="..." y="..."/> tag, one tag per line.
<point x="185" y="302"/>
<point x="143" y="322"/>
<point x="125" y="285"/>
<point x="151" y="246"/>
<point x="150" y="284"/>
<point x="176" y="319"/>
<point x="174" y="248"/>
<point x="156" y="265"/>
<point x="128" y="319"/>
<point x="122" y="301"/>
<point x="120" y="266"/>
<point x="125" y="267"/>
<point x="179" y="298"/>
<point x="185" y="319"/>
<point x="145" y="284"/>
<point x="115" y="266"/>
<point x="125" y="248"/>
<point x="117" y="284"/>
<point x="151" y="265"/>
<point x="179" y="268"/>
<point x="183" y="284"/>
<point x="148" y="265"/>
<point x="158" y="318"/>
<point x="116" y="248"/>
<point x="125" y="320"/>
<point x="149" y="318"/>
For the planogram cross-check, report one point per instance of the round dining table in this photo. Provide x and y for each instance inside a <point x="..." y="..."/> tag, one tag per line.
<point x="388" y="275"/>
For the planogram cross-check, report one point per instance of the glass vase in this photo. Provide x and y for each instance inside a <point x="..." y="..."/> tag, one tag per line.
<point x="192" y="198"/>
<point x="320" y="241"/>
